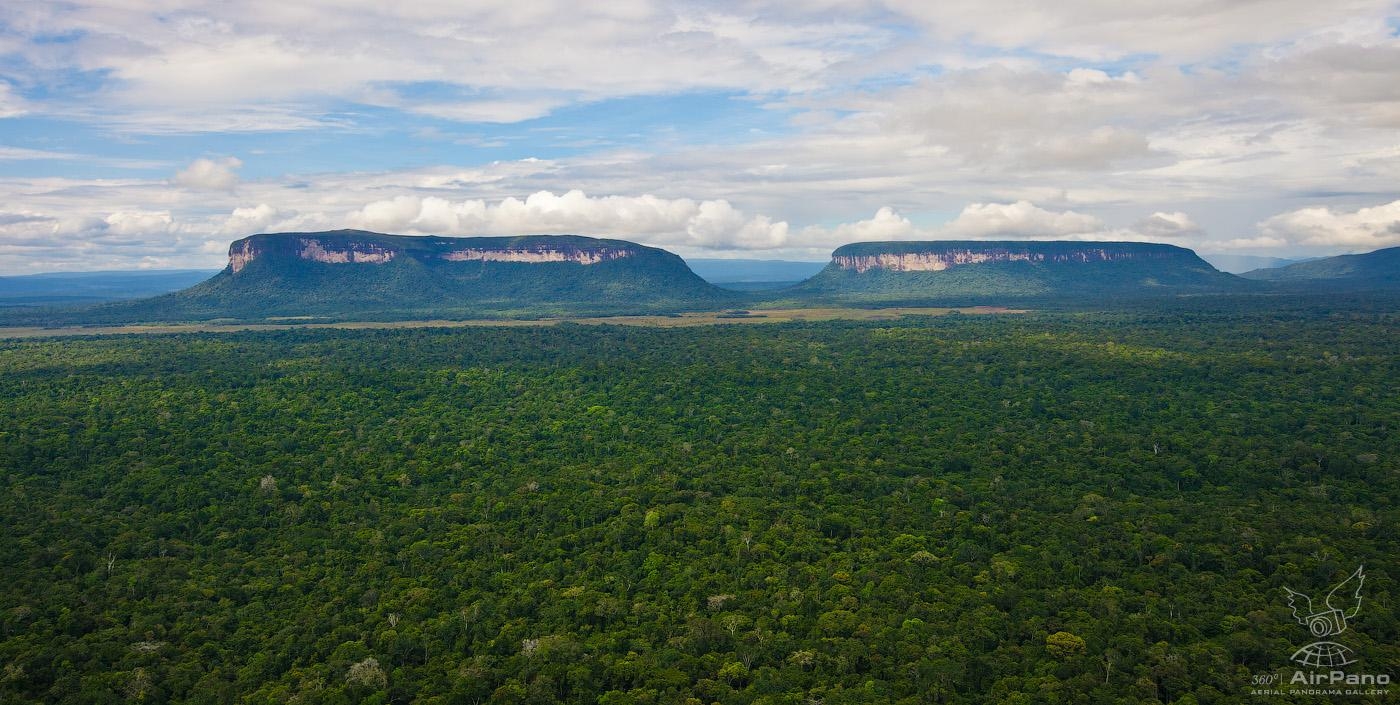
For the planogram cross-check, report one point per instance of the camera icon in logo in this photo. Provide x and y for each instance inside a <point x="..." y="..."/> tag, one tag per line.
<point x="1324" y="624"/>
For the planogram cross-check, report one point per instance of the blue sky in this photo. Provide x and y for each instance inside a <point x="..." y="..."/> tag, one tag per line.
<point x="372" y="138"/>
<point x="151" y="135"/>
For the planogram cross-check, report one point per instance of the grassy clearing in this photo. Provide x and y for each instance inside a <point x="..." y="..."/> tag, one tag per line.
<point x="706" y="318"/>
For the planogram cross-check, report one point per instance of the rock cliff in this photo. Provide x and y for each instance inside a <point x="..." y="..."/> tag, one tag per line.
<point x="359" y="247"/>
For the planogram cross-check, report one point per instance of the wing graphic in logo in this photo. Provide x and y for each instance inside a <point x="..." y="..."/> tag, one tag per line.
<point x="1300" y="604"/>
<point x="1342" y="599"/>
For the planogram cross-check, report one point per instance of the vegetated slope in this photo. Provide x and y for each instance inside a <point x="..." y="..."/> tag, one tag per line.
<point x="975" y="271"/>
<point x="348" y="274"/>
<point x="1378" y="269"/>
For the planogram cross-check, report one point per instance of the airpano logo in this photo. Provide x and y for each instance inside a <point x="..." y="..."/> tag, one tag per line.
<point x="1341" y="604"/>
<point x="1326" y="621"/>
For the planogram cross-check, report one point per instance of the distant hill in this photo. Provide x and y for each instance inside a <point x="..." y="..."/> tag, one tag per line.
<point x="753" y="273"/>
<point x="958" y="271"/>
<point x="89" y="287"/>
<point x="352" y="274"/>
<point x="1379" y="269"/>
<point x="1236" y="264"/>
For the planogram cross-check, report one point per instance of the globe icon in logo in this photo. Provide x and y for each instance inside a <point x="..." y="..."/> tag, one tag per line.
<point x="1324" y="654"/>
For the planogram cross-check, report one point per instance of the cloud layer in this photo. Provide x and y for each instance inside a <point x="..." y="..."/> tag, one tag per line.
<point x="145" y="238"/>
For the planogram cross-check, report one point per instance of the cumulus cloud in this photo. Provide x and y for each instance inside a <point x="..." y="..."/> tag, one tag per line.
<point x="121" y="237"/>
<point x="682" y="221"/>
<point x="246" y="220"/>
<point x="1015" y="221"/>
<point x="210" y="174"/>
<point x="45" y="242"/>
<point x="138" y="223"/>
<point x="1168" y="227"/>
<point x="1361" y="230"/>
<point x="1021" y="219"/>
<point x="886" y="224"/>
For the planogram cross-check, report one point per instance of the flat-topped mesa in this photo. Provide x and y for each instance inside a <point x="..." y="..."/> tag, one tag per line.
<point x="967" y="270"/>
<point x="938" y="256"/>
<point x="359" y="247"/>
<point x="359" y="274"/>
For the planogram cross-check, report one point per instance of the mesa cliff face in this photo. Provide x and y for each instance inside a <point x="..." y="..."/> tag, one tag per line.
<point x="357" y="247"/>
<point x="968" y="270"/>
<point x="936" y="257"/>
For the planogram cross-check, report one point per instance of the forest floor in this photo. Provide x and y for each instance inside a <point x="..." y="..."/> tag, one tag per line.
<point x="701" y="318"/>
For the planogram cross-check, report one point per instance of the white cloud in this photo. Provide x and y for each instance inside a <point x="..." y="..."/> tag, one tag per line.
<point x="1018" y="220"/>
<point x="682" y="221"/>
<point x="202" y="70"/>
<point x="489" y="111"/>
<point x="1361" y="230"/>
<point x="716" y="224"/>
<point x="207" y="57"/>
<point x="1010" y="119"/>
<point x="1342" y="77"/>
<point x="210" y="174"/>
<point x="1093" y="29"/>
<point x="1172" y="227"/>
<point x="1099" y="148"/>
<point x="24" y="154"/>
<point x="138" y="223"/>
<point x="11" y="105"/>
<point x="886" y="224"/>
<point x="247" y="220"/>
<point x="35" y="242"/>
<point x="1253" y="244"/>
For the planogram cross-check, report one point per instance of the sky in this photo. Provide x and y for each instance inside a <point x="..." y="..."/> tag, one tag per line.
<point x="151" y="134"/>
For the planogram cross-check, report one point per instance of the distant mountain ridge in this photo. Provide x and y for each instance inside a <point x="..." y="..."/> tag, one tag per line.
<point x="1237" y="264"/>
<point x="1378" y="269"/>
<point x="56" y="288"/>
<point x="985" y="270"/>
<point x="733" y="271"/>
